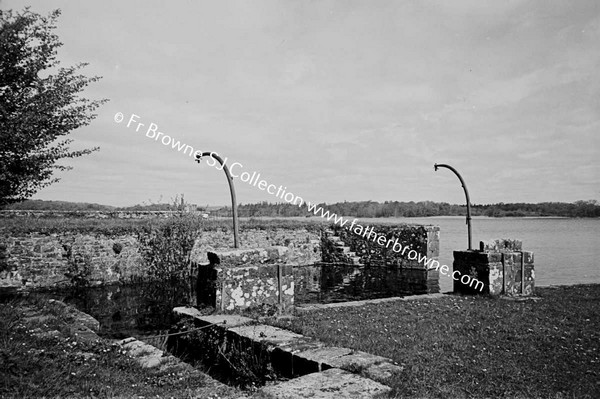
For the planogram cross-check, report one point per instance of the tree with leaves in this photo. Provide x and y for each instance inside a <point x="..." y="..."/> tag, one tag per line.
<point x="39" y="104"/>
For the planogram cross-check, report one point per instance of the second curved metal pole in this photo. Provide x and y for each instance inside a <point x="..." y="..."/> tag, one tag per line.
<point x="441" y="165"/>
<point x="236" y="243"/>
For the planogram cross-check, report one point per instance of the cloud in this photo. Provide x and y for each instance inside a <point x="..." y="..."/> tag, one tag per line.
<point x="340" y="100"/>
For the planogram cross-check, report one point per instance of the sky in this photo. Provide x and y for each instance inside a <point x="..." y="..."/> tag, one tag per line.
<point x="335" y="100"/>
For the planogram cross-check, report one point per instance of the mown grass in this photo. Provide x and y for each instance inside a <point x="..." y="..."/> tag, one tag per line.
<point x="41" y="358"/>
<point x="116" y="226"/>
<point x="476" y="347"/>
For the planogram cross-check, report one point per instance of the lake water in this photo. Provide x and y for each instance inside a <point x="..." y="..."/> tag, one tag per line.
<point x="566" y="251"/>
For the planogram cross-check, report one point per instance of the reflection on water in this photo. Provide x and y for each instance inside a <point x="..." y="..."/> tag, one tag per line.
<point x="122" y="310"/>
<point x="326" y="283"/>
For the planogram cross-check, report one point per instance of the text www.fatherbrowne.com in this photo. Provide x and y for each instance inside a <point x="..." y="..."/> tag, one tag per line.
<point x="253" y="179"/>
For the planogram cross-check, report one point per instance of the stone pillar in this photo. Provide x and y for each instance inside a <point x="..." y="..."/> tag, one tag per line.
<point x="501" y="266"/>
<point x="246" y="278"/>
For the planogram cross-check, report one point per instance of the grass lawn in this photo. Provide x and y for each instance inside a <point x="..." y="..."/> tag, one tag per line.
<point x="40" y="357"/>
<point x="476" y="347"/>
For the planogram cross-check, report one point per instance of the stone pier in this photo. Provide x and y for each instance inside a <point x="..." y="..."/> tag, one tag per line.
<point x="501" y="265"/>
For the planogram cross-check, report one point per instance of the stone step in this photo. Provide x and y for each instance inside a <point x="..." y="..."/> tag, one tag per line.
<point x="344" y="250"/>
<point x="295" y="355"/>
<point x="329" y="384"/>
<point x="356" y="260"/>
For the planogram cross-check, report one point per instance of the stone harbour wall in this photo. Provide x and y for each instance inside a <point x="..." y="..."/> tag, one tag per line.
<point x="42" y="260"/>
<point x="341" y="245"/>
<point x="36" y="260"/>
<point x="425" y="240"/>
<point x="501" y="265"/>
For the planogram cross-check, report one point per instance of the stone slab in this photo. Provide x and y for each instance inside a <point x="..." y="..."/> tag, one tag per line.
<point x="226" y="321"/>
<point x="186" y="311"/>
<point x="382" y="371"/>
<point x="357" y="360"/>
<point x="332" y="383"/>
<point x="75" y="314"/>
<point x="324" y="356"/>
<point x="262" y="333"/>
<point x="294" y="354"/>
<point x="144" y="354"/>
<point x="367" y="302"/>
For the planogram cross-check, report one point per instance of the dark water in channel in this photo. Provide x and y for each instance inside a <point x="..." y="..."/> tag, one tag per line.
<point x="125" y="310"/>
<point x="326" y="283"/>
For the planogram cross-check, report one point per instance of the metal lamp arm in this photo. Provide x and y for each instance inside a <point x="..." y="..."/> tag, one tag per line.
<point x="462" y="182"/>
<point x="234" y="212"/>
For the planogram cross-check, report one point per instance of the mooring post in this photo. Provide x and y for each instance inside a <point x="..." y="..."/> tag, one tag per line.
<point x="236" y="243"/>
<point x="441" y="165"/>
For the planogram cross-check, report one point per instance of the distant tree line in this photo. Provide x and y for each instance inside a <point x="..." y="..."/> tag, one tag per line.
<point x="365" y="209"/>
<point x="42" y="205"/>
<point x="373" y="209"/>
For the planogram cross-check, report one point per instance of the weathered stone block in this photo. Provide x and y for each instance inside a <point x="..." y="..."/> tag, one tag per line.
<point x="332" y="383"/>
<point x="528" y="256"/>
<point x="501" y="245"/>
<point x="240" y="287"/>
<point x="499" y="268"/>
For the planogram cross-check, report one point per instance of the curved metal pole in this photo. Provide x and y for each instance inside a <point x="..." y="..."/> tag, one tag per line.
<point x="441" y="165"/>
<point x="236" y="243"/>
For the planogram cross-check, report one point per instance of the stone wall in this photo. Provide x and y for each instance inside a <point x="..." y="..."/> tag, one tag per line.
<point x="501" y="265"/>
<point x="34" y="260"/>
<point x="41" y="260"/>
<point x="365" y="251"/>
<point x="86" y="214"/>
<point x="302" y="247"/>
<point x="423" y="239"/>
